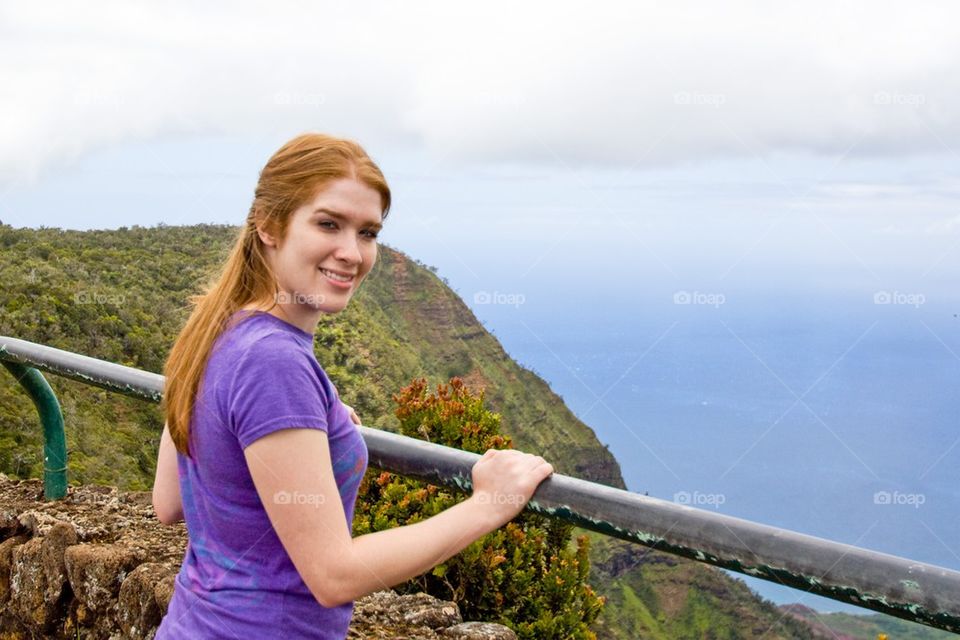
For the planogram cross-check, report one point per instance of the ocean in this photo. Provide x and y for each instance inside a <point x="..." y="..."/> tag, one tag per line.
<point x="831" y="415"/>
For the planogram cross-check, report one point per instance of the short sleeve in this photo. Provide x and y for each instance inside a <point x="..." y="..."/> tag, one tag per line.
<point x="276" y="386"/>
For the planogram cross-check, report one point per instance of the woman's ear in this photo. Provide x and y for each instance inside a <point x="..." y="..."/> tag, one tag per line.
<point x="266" y="238"/>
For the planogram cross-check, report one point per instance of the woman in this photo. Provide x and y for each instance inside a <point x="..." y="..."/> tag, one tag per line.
<point x="259" y="456"/>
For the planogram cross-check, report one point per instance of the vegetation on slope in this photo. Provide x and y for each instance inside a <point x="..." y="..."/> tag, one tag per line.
<point x="122" y="295"/>
<point x="844" y="626"/>
<point x="655" y="595"/>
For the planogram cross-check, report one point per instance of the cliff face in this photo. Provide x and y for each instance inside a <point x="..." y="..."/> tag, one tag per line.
<point x="454" y="343"/>
<point x="98" y="565"/>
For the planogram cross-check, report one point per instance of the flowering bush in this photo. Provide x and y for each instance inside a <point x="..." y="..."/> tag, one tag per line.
<point x="526" y="574"/>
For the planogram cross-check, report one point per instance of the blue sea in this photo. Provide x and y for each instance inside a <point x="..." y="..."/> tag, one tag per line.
<point x="832" y="414"/>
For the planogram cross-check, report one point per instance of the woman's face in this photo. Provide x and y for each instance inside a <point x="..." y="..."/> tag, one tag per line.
<point x="329" y="248"/>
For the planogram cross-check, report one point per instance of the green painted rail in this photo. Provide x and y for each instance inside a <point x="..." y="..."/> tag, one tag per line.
<point x="54" y="441"/>
<point x="889" y="584"/>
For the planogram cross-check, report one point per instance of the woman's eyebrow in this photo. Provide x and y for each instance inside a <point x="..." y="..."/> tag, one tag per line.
<point x="341" y="216"/>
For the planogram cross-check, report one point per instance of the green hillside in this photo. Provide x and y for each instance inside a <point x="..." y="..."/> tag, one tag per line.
<point x="121" y="295"/>
<point x="844" y="626"/>
<point x="659" y="596"/>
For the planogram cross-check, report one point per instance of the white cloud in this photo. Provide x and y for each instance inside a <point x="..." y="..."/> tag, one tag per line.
<point x="643" y="84"/>
<point x="947" y="226"/>
<point x="918" y="188"/>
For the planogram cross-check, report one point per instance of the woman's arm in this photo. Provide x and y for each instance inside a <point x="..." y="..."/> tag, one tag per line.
<point x="294" y="477"/>
<point x="166" y="484"/>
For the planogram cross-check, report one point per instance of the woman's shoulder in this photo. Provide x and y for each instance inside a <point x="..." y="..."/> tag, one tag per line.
<point x="262" y="337"/>
<point x="264" y="367"/>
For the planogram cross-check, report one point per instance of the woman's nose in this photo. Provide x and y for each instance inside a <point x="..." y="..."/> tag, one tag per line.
<point x="349" y="251"/>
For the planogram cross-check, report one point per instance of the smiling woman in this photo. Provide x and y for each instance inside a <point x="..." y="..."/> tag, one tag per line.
<point x="330" y="247"/>
<point x="259" y="456"/>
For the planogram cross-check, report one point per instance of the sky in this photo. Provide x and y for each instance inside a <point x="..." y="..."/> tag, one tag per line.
<point x="741" y="119"/>
<point x="558" y="163"/>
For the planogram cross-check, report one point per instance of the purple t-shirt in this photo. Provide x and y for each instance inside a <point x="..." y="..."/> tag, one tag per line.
<point x="237" y="581"/>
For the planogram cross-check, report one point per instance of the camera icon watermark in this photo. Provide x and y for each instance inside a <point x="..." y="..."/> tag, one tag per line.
<point x="497" y="297"/>
<point x="698" y="499"/>
<point x="699" y="298"/>
<point x="298" y="498"/>
<point x="898" y="297"/>
<point x="897" y="498"/>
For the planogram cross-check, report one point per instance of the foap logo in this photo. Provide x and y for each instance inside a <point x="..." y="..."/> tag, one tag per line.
<point x="698" y="499"/>
<point x="900" y="99"/>
<point x="699" y="298"/>
<point x="99" y="297"/>
<point x="899" y="297"/>
<point x="294" y="99"/>
<point x="91" y="98"/>
<point x="497" y="297"/>
<point x="500" y="498"/>
<point x="499" y="99"/>
<point x="284" y="297"/>
<point x="695" y="98"/>
<point x="897" y="498"/>
<point x="298" y="498"/>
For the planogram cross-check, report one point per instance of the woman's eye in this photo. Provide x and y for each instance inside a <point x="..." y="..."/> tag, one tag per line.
<point x="330" y="224"/>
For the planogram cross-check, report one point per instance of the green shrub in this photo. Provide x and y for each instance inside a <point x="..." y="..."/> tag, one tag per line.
<point x="526" y="575"/>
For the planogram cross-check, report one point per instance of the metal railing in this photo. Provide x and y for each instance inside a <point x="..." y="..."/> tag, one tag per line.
<point x="896" y="586"/>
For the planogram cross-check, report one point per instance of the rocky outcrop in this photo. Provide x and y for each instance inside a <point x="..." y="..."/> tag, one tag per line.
<point x="99" y="566"/>
<point x="418" y="617"/>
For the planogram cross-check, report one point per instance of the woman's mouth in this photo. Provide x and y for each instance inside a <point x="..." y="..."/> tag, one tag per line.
<point x="340" y="280"/>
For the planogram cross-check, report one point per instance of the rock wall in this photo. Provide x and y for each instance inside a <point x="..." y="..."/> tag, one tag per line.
<point x="98" y="565"/>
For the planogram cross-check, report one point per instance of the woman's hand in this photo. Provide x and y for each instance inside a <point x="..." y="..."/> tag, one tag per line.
<point x="505" y="479"/>
<point x="353" y="414"/>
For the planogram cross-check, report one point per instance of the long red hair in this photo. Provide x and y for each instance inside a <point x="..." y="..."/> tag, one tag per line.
<point x="292" y="177"/>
